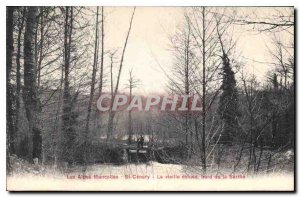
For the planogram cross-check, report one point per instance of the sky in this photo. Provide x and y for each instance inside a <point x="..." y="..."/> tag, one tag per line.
<point x="149" y="45"/>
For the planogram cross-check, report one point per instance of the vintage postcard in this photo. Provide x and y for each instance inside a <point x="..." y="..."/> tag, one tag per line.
<point x="150" y="98"/>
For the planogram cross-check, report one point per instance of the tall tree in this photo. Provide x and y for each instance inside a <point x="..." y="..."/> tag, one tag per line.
<point x="68" y="102"/>
<point x="206" y="40"/>
<point x="10" y="129"/>
<point x="228" y="104"/>
<point x="132" y="83"/>
<point x="94" y="70"/>
<point x="183" y="77"/>
<point x="102" y="52"/>
<point x="204" y="84"/>
<point x="113" y="113"/>
<point x="22" y="11"/>
<point x="30" y="91"/>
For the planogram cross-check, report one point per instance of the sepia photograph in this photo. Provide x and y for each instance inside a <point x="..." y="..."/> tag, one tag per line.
<point x="162" y="98"/>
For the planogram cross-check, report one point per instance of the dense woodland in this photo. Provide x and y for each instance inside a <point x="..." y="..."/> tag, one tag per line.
<point x="58" y="64"/>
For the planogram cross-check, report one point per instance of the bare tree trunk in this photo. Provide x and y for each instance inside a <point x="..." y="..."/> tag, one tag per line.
<point x="101" y="60"/>
<point x="111" y="75"/>
<point x="260" y="156"/>
<point x="56" y="121"/>
<point x="129" y="115"/>
<point x="188" y="130"/>
<point x="240" y="154"/>
<point x="110" y="117"/>
<point x="112" y="113"/>
<point x="132" y="83"/>
<point x="69" y="133"/>
<point x="18" y="71"/>
<point x="203" y="155"/>
<point x="30" y="92"/>
<point x="93" y="75"/>
<point x="197" y="134"/>
<point x="10" y="131"/>
<point x="102" y="50"/>
<point x="40" y="49"/>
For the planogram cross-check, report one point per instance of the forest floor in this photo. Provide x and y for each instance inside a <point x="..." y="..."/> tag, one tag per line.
<point x="148" y="176"/>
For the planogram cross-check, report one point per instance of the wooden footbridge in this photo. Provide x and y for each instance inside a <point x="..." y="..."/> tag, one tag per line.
<point x="132" y="153"/>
